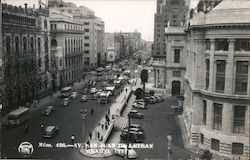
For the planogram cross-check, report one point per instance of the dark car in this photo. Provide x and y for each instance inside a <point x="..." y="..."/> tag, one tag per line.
<point x="135" y="114"/>
<point x="49" y="110"/>
<point x="50" y="131"/>
<point x="177" y="108"/>
<point x="85" y="91"/>
<point x="84" y="98"/>
<point x="131" y="136"/>
<point x="133" y="125"/>
<point x="138" y="131"/>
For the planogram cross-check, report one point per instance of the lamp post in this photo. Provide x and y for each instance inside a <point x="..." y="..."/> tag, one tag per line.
<point x="128" y="136"/>
<point x="83" y="115"/>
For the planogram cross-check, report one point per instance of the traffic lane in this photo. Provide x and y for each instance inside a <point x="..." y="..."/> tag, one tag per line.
<point x="159" y="121"/>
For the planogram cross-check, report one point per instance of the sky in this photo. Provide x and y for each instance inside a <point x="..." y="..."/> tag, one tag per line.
<point x="118" y="15"/>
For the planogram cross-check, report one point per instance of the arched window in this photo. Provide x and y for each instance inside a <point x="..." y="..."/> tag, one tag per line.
<point x="8" y="45"/>
<point x="39" y="46"/>
<point x="17" y="45"/>
<point x="24" y="45"/>
<point x="32" y="45"/>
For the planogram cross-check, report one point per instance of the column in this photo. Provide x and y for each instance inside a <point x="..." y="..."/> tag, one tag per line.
<point x="248" y="84"/>
<point x="157" y="78"/>
<point x="210" y="114"/>
<point x="197" y="110"/>
<point x="162" y="77"/>
<point x="211" y="67"/>
<point x="227" y="117"/>
<point x="229" y="68"/>
<point x="154" y="77"/>
<point x="247" y="122"/>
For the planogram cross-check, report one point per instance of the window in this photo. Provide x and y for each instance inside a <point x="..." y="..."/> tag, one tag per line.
<point x="217" y="116"/>
<point x="16" y="45"/>
<point x="215" y="144"/>
<point x="237" y="148"/>
<point x="86" y="60"/>
<point x="45" y="24"/>
<point x="86" y="44"/>
<point x="176" y="55"/>
<point x="175" y="2"/>
<point x="86" y="37"/>
<point x="202" y="138"/>
<point x="204" y="112"/>
<point x="86" y="30"/>
<point x="32" y="44"/>
<point x="86" y="23"/>
<point x="220" y="75"/>
<point x="24" y="44"/>
<point x="221" y="44"/>
<point x="66" y="46"/>
<point x="176" y="73"/>
<point x="239" y="119"/>
<point x="86" y="51"/>
<point x="60" y="62"/>
<point x="242" y="44"/>
<point x="241" y="77"/>
<point x="207" y="73"/>
<point x="175" y="16"/>
<point x="208" y="44"/>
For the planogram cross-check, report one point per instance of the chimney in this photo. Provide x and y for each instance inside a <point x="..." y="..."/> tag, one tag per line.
<point x="25" y="9"/>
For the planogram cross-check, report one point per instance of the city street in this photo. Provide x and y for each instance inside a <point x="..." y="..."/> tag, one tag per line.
<point x="68" y="119"/>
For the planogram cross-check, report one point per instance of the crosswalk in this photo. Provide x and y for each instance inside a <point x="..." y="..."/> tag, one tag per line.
<point x="120" y="123"/>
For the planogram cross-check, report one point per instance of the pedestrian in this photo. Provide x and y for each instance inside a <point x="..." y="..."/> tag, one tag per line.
<point x="106" y="126"/>
<point x="41" y="128"/>
<point x="108" y="111"/>
<point x="98" y="135"/>
<point x="92" y="111"/>
<point x="90" y="135"/>
<point x="102" y="124"/>
<point x="88" y="144"/>
<point x="72" y="139"/>
<point x="108" y="120"/>
<point x="126" y="90"/>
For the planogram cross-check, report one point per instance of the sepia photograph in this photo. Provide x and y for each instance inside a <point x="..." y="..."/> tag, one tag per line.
<point x="125" y="79"/>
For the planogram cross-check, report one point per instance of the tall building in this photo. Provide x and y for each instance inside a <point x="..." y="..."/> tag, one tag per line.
<point x="67" y="48"/>
<point x="94" y="33"/>
<point x="168" y="13"/>
<point x="25" y="56"/>
<point x="216" y="105"/>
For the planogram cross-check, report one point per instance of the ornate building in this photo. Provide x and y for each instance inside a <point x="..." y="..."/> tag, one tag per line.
<point x="216" y="105"/>
<point x="22" y="41"/>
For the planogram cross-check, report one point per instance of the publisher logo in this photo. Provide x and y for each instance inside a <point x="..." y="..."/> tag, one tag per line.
<point x="25" y="149"/>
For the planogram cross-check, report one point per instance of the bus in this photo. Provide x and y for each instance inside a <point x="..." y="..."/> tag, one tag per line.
<point x="111" y="89"/>
<point x="105" y="97"/>
<point x="66" y="92"/>
<point x="18" y="116"/>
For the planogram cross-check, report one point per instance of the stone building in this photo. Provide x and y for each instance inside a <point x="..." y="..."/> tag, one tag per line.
<point x="67" y="48"/>
<point x="216" y="105"/>
<point x="23" y="40"/>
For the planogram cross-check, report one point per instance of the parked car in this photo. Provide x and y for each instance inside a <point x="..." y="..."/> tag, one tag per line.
<point x="123" y="152"/>
<point x="149" y="100"/>
<point x="96" y="95"/>
<point x="154" y="100"/>
<point x="139" y="105"/>
<point x="177" y="108"/>
<point x="49" y="110"/>
<point x="135" y="114"/>
<point x="50" y="131"/>
<point x="131" y="136"/>
<point x="65" y="102"/>
<point x="74" y="95"/>
<point x="134" y="125"/>
<point x="84" y="98"/>
<point x="93" y="90"/>
<point x="159" y="98"/>
<point x="138" y="131"/>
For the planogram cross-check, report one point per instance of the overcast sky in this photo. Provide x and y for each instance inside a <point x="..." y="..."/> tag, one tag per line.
<point x="118" y="15"/>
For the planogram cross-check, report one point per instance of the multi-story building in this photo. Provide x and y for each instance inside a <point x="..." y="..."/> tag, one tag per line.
<point x="132" y="42"/>
<point x="119" y="45"/>
<point x="67" y="47"/>
<point x="94" y="32"/>
<point x="24" y="42"/>
<point x="168" y="13"/>
<point x="216" y="105"/>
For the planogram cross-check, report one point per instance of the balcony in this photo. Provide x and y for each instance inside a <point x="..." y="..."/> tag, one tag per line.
<point x="159" y="63"/>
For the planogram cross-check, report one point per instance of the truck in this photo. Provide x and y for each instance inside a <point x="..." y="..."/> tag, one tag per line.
<point x="105" y="97"/>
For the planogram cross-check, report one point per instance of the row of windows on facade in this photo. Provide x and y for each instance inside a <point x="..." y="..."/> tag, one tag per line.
<point x="222" y="44"/>
<point x="241" y="76"/>
<point x="74" y="45"/>
<point x="236" y="148"/>
<point x="25" y="45"/>
<point x="73" y="75"/>
<point x="72" y="61"/>
<point x="238" y="124"/>
<point x="68" y="27"/>
<point x="16" y="19"/>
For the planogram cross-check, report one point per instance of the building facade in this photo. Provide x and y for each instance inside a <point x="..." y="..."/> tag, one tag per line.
<point x="67" y="48"/>
<point x="216" y="105"/>
<point x="23" y="39"/>
<point x="168" y="13"/>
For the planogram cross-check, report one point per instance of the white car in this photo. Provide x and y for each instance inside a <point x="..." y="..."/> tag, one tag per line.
<point x="140" y="102"/>
<point x="139" y="105"/>
<point x="123" y="152"/>
<point x="93" y="90"/>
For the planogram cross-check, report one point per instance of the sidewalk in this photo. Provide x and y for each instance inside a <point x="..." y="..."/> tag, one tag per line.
<point x="104" y="127"/>
<point x="37" y="105"/>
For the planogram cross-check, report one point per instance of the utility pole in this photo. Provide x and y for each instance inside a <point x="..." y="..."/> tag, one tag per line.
<point x="128" y="136"/>
<point x="169" y="147"/>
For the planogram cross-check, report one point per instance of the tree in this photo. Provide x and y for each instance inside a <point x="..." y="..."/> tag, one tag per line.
<point x="144" y="79"/>
<point x="207" y="155"/>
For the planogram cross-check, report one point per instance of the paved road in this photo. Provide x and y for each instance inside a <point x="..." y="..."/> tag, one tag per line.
<point x="69" y="121"/>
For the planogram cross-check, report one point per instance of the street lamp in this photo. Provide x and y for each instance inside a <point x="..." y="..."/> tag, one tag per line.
<point x="83" y="115"/>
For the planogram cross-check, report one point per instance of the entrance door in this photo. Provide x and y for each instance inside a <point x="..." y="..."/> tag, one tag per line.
<point x="176" y="87"/>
